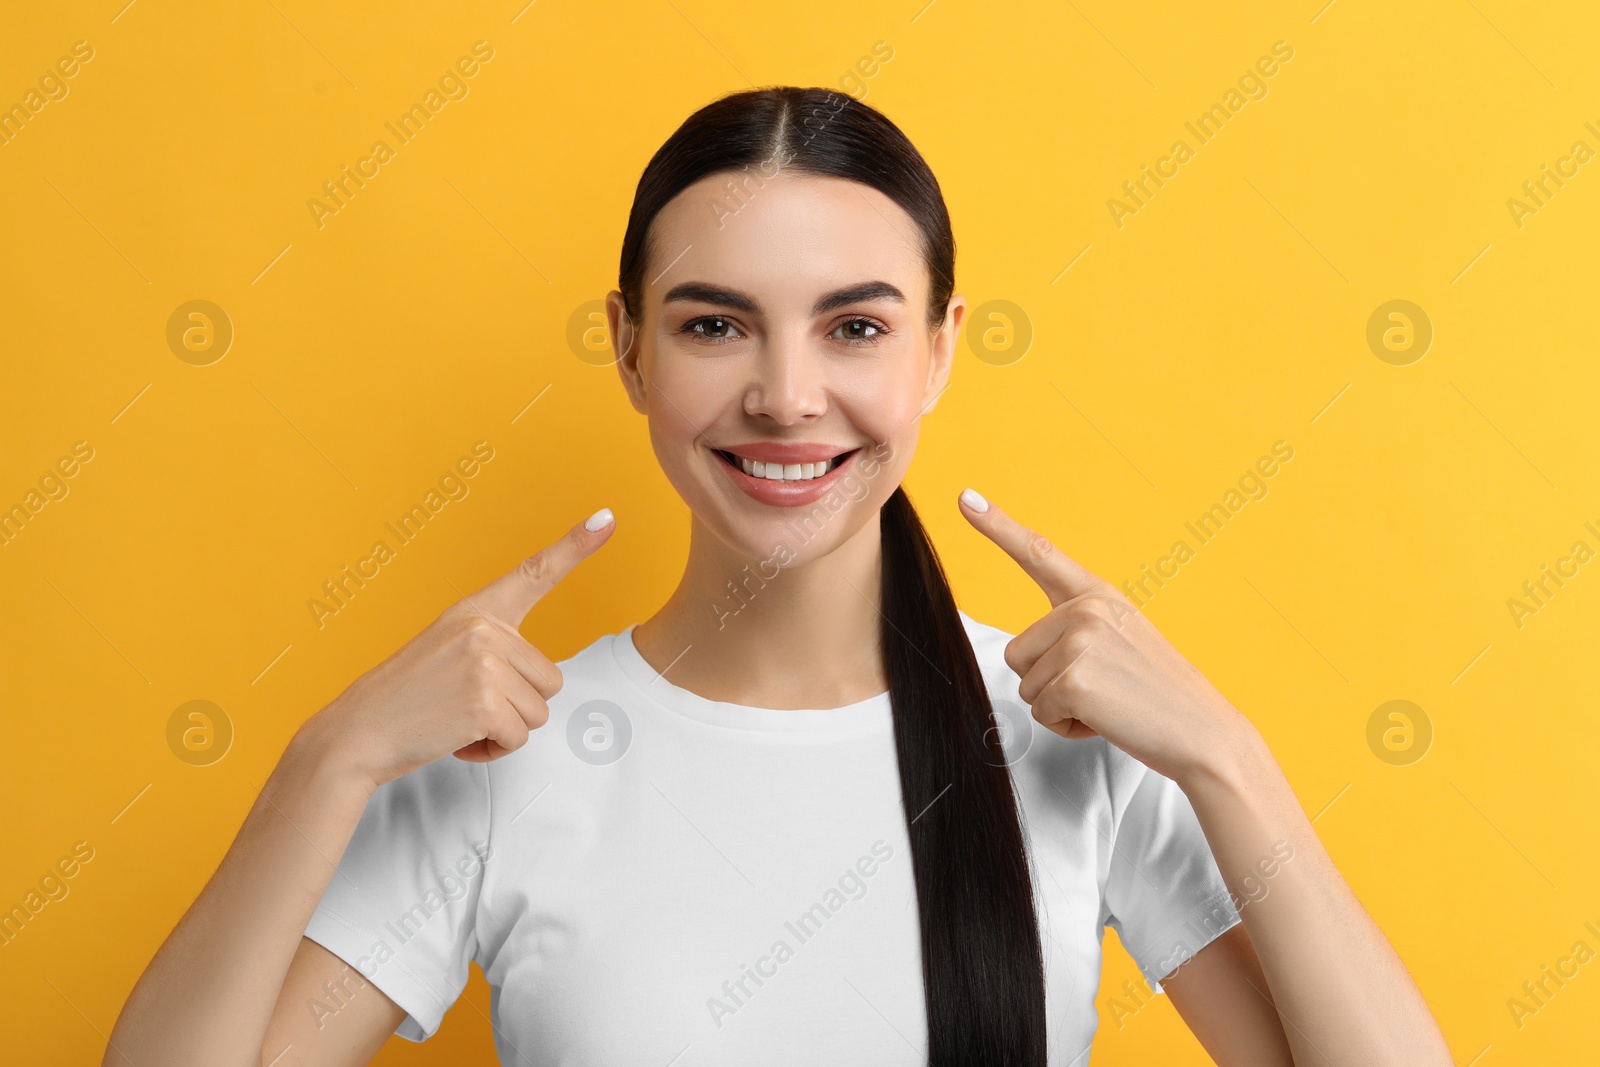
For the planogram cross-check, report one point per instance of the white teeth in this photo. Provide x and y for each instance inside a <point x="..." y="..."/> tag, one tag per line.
<point x="784" y="472"/>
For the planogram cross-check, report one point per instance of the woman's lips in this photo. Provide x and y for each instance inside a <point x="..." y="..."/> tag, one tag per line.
<point x="787" y="494"/>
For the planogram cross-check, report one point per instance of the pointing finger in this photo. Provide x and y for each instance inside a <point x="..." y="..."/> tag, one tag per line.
<point x="510" y="597"/>
<point x="1058" y="574"/>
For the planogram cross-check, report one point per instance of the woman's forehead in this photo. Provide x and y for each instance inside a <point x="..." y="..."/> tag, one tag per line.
<point x="786" y="241"/>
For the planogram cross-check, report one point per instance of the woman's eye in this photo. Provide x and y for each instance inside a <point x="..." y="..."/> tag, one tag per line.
<point x="715" y="329"/>
<point x="855" y="331"/>
<point x="710" y="328"/>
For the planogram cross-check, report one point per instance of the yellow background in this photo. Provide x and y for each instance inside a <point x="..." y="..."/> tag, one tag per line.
<point x="1228" y="314"/>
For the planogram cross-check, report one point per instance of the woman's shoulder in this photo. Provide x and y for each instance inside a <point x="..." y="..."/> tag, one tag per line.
<point x="594" y="668"/>
<point x="594" y="678"/>
<point x="982" y="633"/>
<point x="596" y="652"/>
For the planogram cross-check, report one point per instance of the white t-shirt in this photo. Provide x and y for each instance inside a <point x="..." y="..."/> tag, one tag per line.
<point x="659" y="878"/>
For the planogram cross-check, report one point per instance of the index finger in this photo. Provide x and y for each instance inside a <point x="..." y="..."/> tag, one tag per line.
<point x="511" y="596"/>
<point x="1058" y="574"/>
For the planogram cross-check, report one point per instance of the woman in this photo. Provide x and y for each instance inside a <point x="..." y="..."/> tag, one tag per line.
<point x="708" y="848"/>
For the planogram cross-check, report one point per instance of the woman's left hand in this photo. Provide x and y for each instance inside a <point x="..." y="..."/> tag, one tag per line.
<point x="1094" y="665"/>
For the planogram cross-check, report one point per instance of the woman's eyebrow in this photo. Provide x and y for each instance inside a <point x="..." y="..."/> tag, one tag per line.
<point x="702" y="293"/>
<point x="857" y="294"/>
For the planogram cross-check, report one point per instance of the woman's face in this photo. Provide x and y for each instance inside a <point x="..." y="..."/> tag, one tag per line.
<point x="786" y="324"/>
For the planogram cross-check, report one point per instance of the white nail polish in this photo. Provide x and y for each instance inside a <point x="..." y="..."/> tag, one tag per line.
<point x="599" y="520"/>
<point x="971" y="499"/>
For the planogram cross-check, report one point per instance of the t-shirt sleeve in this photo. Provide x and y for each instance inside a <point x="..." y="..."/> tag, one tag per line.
<point x="1164" y="893"/>
<point x="401" y="905"/>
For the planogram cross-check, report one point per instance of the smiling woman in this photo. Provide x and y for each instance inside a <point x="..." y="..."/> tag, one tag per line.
<point x="783" y="358"/>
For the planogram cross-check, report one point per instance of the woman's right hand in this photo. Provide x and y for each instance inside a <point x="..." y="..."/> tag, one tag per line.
<point x="468" y="684"/>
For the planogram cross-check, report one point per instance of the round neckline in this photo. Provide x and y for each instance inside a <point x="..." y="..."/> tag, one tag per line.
<point x="872" y="715"/>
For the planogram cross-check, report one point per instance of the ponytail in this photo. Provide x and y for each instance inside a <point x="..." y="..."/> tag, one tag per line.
<point x="981" y="958"/>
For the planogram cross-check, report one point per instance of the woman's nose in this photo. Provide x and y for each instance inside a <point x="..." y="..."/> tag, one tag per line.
<point x="787" y="382"/>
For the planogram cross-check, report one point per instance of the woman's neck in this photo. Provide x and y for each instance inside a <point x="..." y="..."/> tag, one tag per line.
<point x="797" y="636"/>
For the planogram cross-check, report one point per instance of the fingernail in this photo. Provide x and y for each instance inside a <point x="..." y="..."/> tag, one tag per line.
<point x="599" y="520"/>
<point x="971" y="499"/>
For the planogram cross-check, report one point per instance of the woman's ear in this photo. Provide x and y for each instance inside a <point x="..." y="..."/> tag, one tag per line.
<point x="625" y="342"/>
<point x="942" y="357"/>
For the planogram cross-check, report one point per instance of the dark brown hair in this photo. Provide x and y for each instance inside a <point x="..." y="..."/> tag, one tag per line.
<point x="983" y="970"/>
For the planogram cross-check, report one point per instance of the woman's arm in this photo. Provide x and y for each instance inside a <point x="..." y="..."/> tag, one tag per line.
<point x="1095" y="666"/>
<point x="1223" y="996"/>
<point x="210" y="992"/>
<point x="468" y="684"/>
<point x="1340" y="991"/>
<point x="303" y="1032"/>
